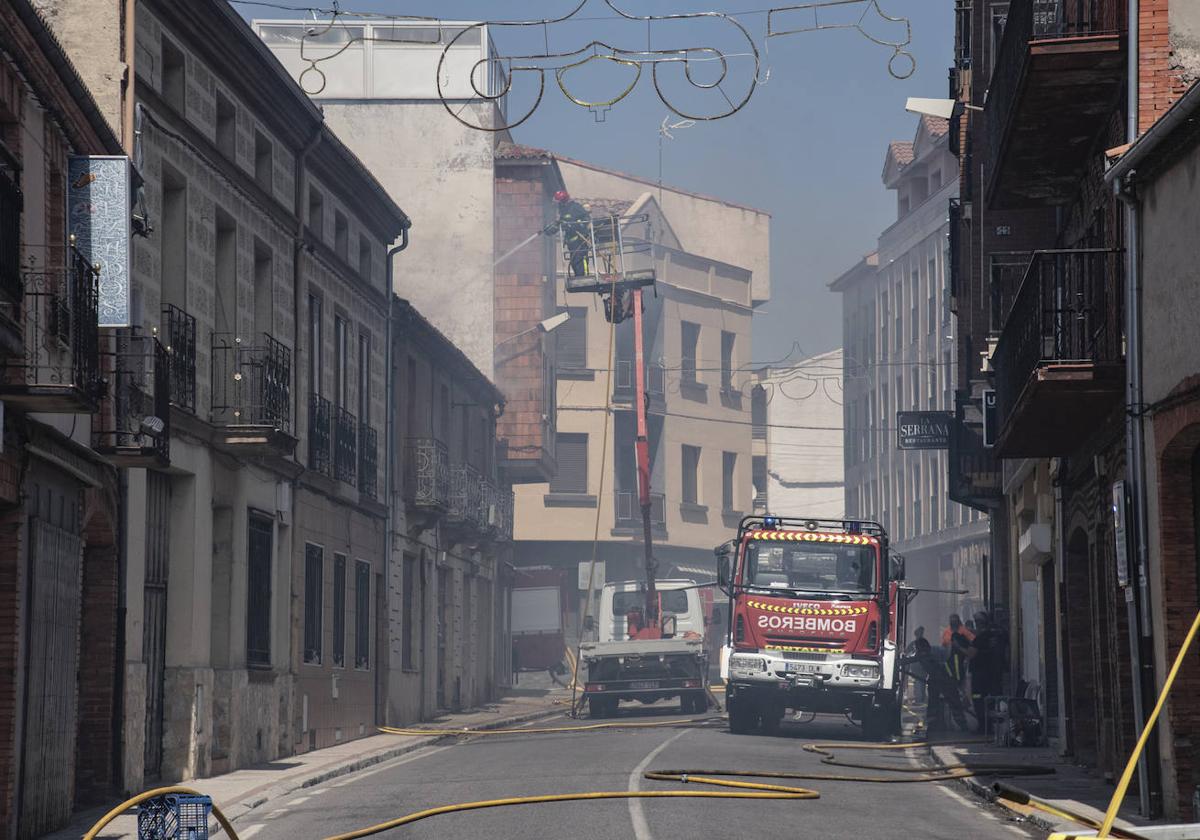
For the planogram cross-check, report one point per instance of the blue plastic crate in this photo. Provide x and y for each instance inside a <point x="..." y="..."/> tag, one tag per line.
<point x="176" y="816"/>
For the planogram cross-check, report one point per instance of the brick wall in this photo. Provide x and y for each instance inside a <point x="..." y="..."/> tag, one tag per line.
<point x="523" y="289"/>
<point x="11" y="619"/>
<point x="1161" y="80"/>
<point x="1177" y="431"/>
<point x="94" y="764"/>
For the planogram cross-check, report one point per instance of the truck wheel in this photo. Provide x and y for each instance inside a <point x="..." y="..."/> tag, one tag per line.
<point x="598" y="707"/>
<point x="878" y="722"/>
<point x="743" y="718"/>
<point x="693" y="703"/>
<point x="612" y="706"/>
<point x="772" y="717"/>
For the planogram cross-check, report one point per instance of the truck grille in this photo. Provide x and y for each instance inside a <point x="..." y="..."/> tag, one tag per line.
<point x="804" y="657"/>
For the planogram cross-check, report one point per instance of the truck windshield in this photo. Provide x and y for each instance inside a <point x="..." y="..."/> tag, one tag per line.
<point x="810" y="567"/>
<point x="672" y="601"/>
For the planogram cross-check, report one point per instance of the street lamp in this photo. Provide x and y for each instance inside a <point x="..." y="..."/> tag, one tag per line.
<point x="548" y="325"/>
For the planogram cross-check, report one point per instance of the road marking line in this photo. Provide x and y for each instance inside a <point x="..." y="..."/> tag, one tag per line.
<point x="275" y="813"/>
<point x="317" y="792"/>
<point x="299" y="800"/>
<point x="251" y="830"/>
<point x="641" y="829"/>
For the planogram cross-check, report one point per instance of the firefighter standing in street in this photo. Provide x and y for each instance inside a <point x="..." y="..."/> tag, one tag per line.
<point x="941" y="687"/>
<point x="986" y="666"/>
<point x="575" y="222"/>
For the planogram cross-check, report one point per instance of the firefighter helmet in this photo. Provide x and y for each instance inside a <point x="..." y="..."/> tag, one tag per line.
<point x="561" y="196"/>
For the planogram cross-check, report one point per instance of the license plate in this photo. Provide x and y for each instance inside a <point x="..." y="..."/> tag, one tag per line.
<point x="801" y="668"/>
<point x="643" y="684"/>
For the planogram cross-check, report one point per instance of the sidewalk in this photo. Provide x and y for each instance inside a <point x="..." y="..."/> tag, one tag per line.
<point x="1077" y="789"/>
<point x="242" y="791"/>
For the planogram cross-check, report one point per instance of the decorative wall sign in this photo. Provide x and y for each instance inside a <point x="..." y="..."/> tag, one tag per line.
<point x="99" y="217"/>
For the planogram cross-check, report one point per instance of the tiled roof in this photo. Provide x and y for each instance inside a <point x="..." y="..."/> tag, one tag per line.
<point x="901" y="152"/>
<point x="936" y="126"/>
<point x="506" y="150"/>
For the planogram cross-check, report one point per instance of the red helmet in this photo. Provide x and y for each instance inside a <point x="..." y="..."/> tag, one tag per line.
<point x="561" y="196"/>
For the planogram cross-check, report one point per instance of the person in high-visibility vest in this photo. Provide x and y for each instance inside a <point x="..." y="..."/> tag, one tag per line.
<point x="941" y="686"/>
<point x="575" y="222"/>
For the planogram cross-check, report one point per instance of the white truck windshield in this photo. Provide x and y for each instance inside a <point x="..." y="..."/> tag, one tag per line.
<point x="672" y="601"/>
<point x="810" y="567"/>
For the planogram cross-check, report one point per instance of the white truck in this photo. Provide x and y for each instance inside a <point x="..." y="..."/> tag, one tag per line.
<point x="620" y="666"/>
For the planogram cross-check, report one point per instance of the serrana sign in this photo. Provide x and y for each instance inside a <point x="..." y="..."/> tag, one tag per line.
<point x="923" y="429"/>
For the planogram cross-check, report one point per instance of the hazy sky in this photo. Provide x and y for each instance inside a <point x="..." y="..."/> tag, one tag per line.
<point x="808" y="148"/>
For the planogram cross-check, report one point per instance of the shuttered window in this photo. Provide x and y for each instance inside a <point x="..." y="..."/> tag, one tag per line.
<point x="728" y="468"/>
<point x="362" y="614"/>
<point x="314" y="580"/>
<point x="258" y="613"/>
<point x="571" y="340"/>
<point x="571" y="453"/>
<point x="339" y="610"/>
<point x="727" y="339"/>
<point x="408" y="637"/>
<point x="689" y="347"/>
<point x="691" y="472"/>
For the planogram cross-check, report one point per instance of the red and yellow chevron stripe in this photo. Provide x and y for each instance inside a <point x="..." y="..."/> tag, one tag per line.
<point x="805" y="609"/>
<point x="800" y="649"/>
<point x="813" y="536"/>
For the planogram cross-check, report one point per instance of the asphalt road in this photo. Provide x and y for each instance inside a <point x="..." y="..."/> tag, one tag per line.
<point x="505" y="766"/>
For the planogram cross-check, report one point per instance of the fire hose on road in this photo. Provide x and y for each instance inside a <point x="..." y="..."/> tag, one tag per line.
<point x="730" y="787"/>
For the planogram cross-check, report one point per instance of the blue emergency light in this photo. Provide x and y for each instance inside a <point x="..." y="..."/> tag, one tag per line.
<point x="770" y="522"/>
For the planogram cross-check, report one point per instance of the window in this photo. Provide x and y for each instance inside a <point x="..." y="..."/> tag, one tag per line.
<point x="933" y="385"/>
<point x="689" y="345"/>
<point x="362" y="614"/>
<point x="174" y="238"/>
<point x="914" y="291"/>
<point x="264" y="287"/>
<point x="932" y="286"/>
<point x="364" y="259"/>
<point x="758" y="412"/>
<point x="727" y="339"/>
<point x="728" y="470"/>
<point x="341" y="347"/>
<point x="314" y="581"/>
<point x="364" y="377"/>
<point x="691" y="475"/>
<point x="948" y="379"/>
<point x="883" y="326"/>
<point x="571" y="340"/>
<point x="341" y="236"/>
<point x="758" y="466"/>
<point x="316" y="213"/>
<point x="264" y="167"/>
<point x="314" y="343"/>
<point x="411" y="404"/>
<point x="935" y="523"/>
<point x="226" y="286"/>
<point x="916" y="388"/>
<point x="174" y="76"/>
<point x="570" y="451"/>
<point x="226" y="126"/>
<point x="339" y="611"/>
<point x="408" y="654"/>
<point x="258" y="607"/>
<point x="898" y="318"/>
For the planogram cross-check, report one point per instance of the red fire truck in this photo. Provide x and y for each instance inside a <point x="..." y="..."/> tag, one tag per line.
<point x="816" y="610"/>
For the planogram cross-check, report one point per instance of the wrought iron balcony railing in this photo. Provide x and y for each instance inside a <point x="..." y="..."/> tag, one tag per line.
<point x="320" y="440"/>
<point x="427" y="473"/>
<point x="1006" y="271"/>
<point x="628" y="513"/>
<point x="368" y="461"/>
<point x="10" y="240"/>
<point x="466" y="496"/>
<point x="505" y="507"/>
<point x="60" y="367"/>
<point x="1039" y="20"/>
<point x="179" y="338"/>
<point x="1069" y="309"/>
<point x="134" y="422"/>
<point x="251" y="382"/>
<point x="345" y="445"/>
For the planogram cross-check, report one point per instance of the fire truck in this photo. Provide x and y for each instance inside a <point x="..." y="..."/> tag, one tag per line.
<point x="816" y="623"/>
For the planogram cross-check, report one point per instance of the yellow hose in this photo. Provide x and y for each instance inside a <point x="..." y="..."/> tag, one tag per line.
<point x="151" y="794"/>
<point x="1119" y="794"/>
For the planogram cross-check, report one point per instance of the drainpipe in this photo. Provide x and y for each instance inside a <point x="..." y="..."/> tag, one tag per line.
<point x="1140" y="624"/>
<point x="129" y="47"/>
<point x="389" y="433"/>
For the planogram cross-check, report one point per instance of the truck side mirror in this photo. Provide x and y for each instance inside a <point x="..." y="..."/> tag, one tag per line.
<point x="898" y="568"/>
<point x="723" y="572"/>
<point x="670" y="624"/>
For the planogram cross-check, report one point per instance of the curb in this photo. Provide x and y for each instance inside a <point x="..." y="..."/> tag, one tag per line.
<point x="985" y="793"/>
<point x="241" y="808"/>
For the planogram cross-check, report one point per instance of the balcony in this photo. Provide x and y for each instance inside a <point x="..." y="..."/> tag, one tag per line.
<point x="368" y="461"/>
<point x="974" y="470"/>
<point x="624" y="382"/>
<point x="252" y="393"/>
<point x="466" y="497"/>
<point x="627" y="513"/>
<point x="59" y="370"/>
<point x="320" y="440"/>
<point x="1059" y="361"/>
<point x="427" y="474"/>
<point x="179" y="335"/>
<point x="505" y="507"/>
<point x="11" y="200"/>
<point x="1059" y="70"/>
<point x="133" y="428"/>
<point x="345" y="446"/>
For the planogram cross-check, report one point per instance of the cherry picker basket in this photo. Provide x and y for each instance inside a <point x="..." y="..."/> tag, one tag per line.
<point x="175" y="816"/>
